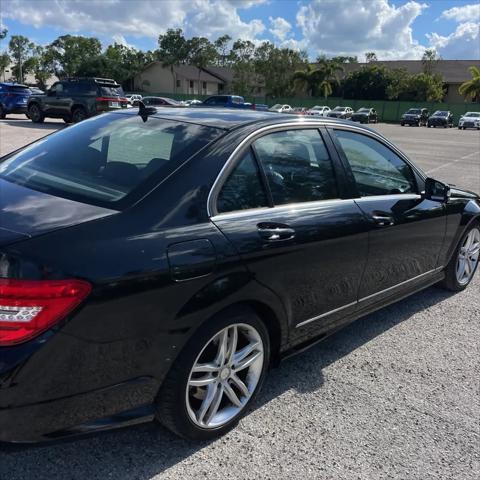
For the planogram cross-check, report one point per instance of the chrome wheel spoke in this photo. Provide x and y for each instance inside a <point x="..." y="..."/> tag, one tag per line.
<point x="207" y="401"/>
<point x="468" y="256"/>
<point x="232" y="344"/>
<point x="240" y="385"/>
<point x="246" y="362"/>
<point x="244" y="353"/>
<point x="202" y="382"/>
<point x="217" y="399"/>
<point x="222" y="347"/>
<point x="232" y="395"/>
<point x="204" y="367"/>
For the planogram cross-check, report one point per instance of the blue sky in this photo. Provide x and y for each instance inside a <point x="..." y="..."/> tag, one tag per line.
<point x="395" y="29"/>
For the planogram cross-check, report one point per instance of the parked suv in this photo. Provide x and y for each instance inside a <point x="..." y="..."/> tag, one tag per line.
<point x="77" y="99"/>
<point x="441" y="118"/>
<point x="415" y="116"/>
<point x="13" y="98"/>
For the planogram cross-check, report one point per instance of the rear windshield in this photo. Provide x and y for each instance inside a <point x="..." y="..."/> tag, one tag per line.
<point x="440" y="113"/>
<point x="472" y="114"/>
<point x="339" y="109"/>
<point x="415" y="111"/>
<point x="108" y="91"/>
<point x="103" y="160"/>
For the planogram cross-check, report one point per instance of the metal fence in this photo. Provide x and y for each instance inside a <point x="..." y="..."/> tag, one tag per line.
<point x="388" y="111"/>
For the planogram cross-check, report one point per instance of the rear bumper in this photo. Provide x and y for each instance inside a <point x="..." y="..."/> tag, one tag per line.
<point x="111" y="407"/>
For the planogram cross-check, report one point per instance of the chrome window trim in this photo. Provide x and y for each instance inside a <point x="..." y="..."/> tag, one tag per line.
<point x="297" y="125"/>
<point x="369" y="297"/>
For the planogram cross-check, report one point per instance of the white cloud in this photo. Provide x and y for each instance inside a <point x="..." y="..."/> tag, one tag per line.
<point x="463" y="43"/>
<point x="466" y="13"/>
<point x="354" y="27"/>
<point x="280" y="28"/>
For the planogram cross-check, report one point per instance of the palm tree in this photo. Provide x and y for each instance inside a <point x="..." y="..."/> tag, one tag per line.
<point x="329" y="70"/>
<point x="306" y="80"/>
<point x="471" y="88"/>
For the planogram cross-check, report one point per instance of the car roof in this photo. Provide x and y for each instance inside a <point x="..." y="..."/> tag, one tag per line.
<point x="10" y="84"/>
<point x="229" y="118"/>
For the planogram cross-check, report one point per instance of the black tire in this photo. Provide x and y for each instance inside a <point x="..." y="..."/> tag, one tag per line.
<point x="451" y="282"/>
<point x="67" y="119"/>
<point x="3" y="114"/>
<point x="171" y="403"/>
<point x="79" y="114"/>
<point x="402" y="124"/>
<point x="35" y="114"/>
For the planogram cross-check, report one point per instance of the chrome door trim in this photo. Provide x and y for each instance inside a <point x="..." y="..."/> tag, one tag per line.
<point x="318" y="317"/>
<point x="297" y="125"/>
<point x="358" y="302"/>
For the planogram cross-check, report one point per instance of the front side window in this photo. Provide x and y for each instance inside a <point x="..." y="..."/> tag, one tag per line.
<point x="297" y="166"/>
<point x="376" y="168"/>
<point x="102" y="160"/>
<point x="243" y="188"/>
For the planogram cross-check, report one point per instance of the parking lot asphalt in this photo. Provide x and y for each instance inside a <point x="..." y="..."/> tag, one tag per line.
<point x="396" y="395"/>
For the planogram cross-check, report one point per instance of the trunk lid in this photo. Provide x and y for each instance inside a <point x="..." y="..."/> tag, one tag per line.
<point x="26" y="213"/>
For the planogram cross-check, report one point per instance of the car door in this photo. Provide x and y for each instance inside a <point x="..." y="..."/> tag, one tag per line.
<point x="408" y="230"/>
<point x="55" y="103"/>
<point x="284" y="207"/>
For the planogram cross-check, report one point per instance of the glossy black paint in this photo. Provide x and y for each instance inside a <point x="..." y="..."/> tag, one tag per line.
<point x="163" y="267"/>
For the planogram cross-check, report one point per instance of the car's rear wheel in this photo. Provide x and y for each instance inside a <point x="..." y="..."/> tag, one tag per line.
<point x="464" y="263"/>
<point x="79" y="114"/>
<point x="216" y="376"/>
<point x="68" y="119"/>
<point x="3" y="114"/>
<point x="35" y="114"/>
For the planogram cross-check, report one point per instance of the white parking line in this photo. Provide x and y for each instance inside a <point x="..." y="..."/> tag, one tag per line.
<point x="452" y="162"/>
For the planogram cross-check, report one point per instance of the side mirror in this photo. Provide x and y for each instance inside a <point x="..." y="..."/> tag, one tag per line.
<point x="436" y="191"/>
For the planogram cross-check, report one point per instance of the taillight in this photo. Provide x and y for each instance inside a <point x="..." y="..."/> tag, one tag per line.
<point x="29" y="307"/>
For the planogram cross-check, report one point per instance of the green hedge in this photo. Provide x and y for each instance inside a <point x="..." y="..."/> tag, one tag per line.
<point x="389" y="111"/>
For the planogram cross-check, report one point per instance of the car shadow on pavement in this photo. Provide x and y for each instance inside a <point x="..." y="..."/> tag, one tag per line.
<point x="26" y="123"/>
<point x="144" y="451"/>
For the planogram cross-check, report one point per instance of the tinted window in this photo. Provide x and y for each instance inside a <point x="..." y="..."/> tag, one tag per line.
<point x="377" y="170"/>
<point x="19" y="89"/>
<point x="243" y="188"/>
<point x="297" y="166"/>
<point x="108" y="91"/>
<point x="103" y="159"/>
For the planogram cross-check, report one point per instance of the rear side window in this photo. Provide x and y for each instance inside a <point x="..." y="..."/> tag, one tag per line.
<point x="297" y="166"/>
<point x="376" y="168"/>
<point x="108" y="91"/>
<point x="104" y="159"/>
<point x="243" y="188"/>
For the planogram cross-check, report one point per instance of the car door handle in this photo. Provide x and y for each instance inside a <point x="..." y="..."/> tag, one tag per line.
<point x="275" y="233"/>
<point x="383" y="220"/>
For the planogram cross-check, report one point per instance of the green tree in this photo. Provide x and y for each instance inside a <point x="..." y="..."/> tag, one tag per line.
<point x="22" y="50"/>
<point x="306" y="80"/>
<point x="244" y="75"/>
<point x="70" y="51"/>
<point x="201" y="53"/>
<point x="430" y="60"/>
<point x="471" y="88"/>
<point x="221" y="45"/>
<point x="398" y="83"/>
<point x="370" y="82"/>
<point x="4" y="63"/>
<point x="3" y="33"/>
<point x="345" y="59"/>
<point x="371" y="57"/>
<point x="172" y="51"/>
<point x="329" y="74"/>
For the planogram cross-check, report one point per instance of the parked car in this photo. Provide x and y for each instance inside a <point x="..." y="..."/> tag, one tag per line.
<point x="299" y="110"/>
<point x="469" y="120"/>
<point x="161" y="102"/>
<point x="415" y="116"/>
<point x="76" y="99"/>
<point x="365" y="115"/>
<point x="341" y="112"/>
<point x="281" y="108"/>
<point x="441" y="118"/>
<point x="133" y="99"/>
<point x="318" y="110"/>
<point x="36" y="91"/>
<point x="231" y="101"/>
<point x="13" y="98"/>
<point x="154" y="289"/>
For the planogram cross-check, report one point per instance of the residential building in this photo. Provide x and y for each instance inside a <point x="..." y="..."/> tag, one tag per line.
<point x="28" y="79"/>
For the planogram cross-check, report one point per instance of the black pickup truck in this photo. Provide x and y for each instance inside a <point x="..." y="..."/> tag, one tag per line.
<point x="75" y="99"/>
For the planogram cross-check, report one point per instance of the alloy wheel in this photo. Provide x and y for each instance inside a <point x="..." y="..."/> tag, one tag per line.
<point x="468" y="257"/>
<point x="224" y="376"/>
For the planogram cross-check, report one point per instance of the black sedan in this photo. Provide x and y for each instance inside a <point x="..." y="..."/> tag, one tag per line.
<point x="415" y="116"/>
<point x="365" y="115"/>
<point x="154" y="265"/>
<point x="441" y="118"/>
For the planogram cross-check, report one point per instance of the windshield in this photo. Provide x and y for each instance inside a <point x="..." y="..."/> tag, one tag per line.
<point x="277" y="105"/>
<point x="339" y="109"/>
<point x="316" y="107"/>
<point x="472" y="114"/>
<point x="108" y="91"/>
<point x="366" y="110"/>
<point x="440" y="113"/>
<point x="102" y="160"/>
<point x="415" y="111"/>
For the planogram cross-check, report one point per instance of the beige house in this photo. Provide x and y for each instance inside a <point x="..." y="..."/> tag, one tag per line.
<point x="454" y="73"/>
<point x="156" y="78"/>
<point x="28" y="79"/>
